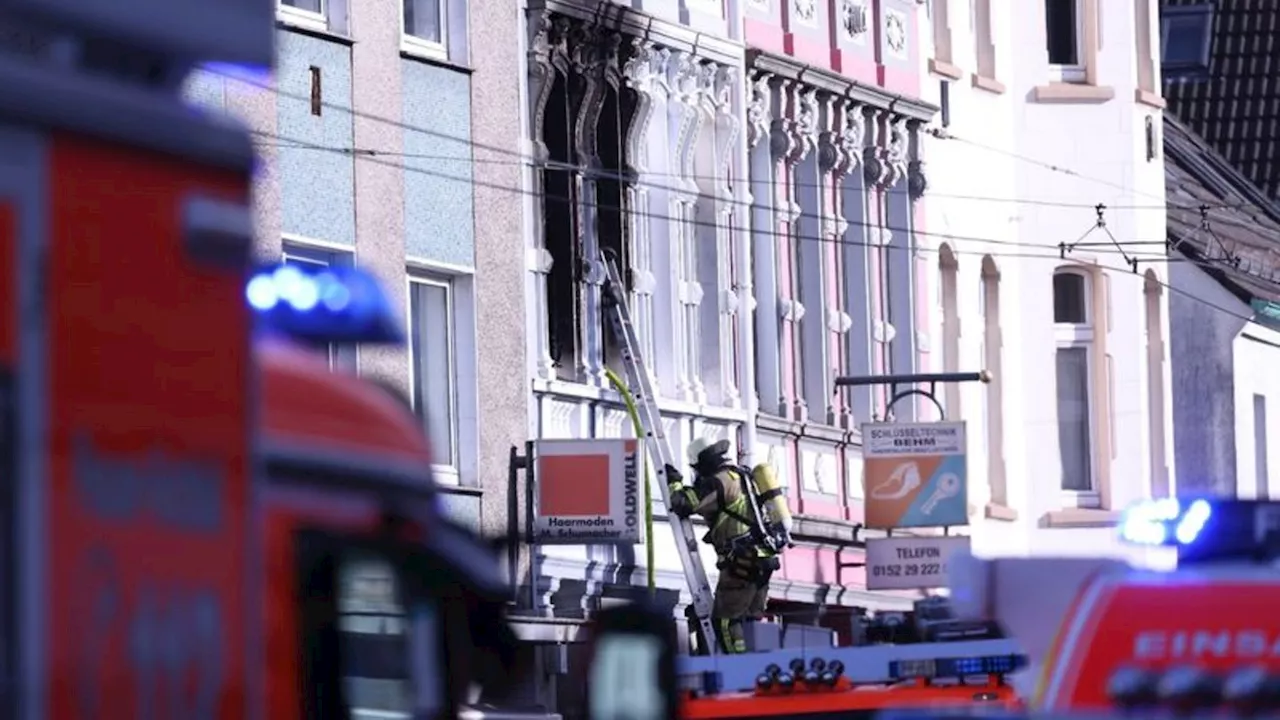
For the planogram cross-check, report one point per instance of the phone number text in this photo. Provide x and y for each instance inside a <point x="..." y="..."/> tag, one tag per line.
<point x="908" y="570"/>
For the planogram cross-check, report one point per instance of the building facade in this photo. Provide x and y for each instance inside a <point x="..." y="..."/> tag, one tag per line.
<point x="1045" y="216"/>
<point x="756" y="168"/>
<point x="380" y="147"/>
<point x="1225" y="228"/>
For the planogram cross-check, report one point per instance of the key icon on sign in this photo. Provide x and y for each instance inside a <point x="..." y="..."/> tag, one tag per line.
<point x="948" y="487"/>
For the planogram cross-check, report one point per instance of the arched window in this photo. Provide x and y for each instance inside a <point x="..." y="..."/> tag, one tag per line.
<point x="993" y="399"/>
<point x="1073" y="318"/>
<point x="948" y="270"/>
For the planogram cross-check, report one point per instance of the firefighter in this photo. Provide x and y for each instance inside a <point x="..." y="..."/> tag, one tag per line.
<point x="725" y="495"/>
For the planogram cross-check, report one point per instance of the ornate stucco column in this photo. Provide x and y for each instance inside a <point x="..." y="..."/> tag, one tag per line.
<point x="683" y="118"/>
<point x="645" y="74"/>
<point x="548" y="61"/>
<point x="715" y="149"/>
<point x="764" y="173"/>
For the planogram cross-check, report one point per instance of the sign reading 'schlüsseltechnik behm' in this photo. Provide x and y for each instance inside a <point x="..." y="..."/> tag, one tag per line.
<point x="915" y="475"/>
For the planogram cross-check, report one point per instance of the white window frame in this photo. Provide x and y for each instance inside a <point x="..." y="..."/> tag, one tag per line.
<point x="305" y="18"/>
<point x="413" y="45"/>
<point x="1070" y="73"/>
<point x="1082" y="336"/>
<point x="342" y="357"/>
<point x="449" y="473"/>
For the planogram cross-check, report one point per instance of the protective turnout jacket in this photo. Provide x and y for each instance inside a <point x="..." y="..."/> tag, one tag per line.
<point x="720" y="500"/>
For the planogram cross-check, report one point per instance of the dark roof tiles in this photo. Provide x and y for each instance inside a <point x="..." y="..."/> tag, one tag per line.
<point x="1237" y="109"/>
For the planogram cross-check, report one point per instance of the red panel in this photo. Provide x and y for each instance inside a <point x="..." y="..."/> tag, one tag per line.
<point x="148" y="489"/>
<point x="1218" y="624"/>
<point x="307" y="405"/>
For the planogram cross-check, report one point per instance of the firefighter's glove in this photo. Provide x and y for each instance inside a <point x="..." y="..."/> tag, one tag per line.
<point x="673" y="474"/>
<point x="681" y="499"/>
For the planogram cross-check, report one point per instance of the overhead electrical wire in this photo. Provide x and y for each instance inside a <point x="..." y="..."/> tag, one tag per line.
<point x="384" y="158"/>
<point x="519" y="158"/>
<point x="1052" y="254"/>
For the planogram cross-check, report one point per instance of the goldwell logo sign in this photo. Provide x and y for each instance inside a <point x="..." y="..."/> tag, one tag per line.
<point x="587" y="492"/>
<point x="1206" y="644"/>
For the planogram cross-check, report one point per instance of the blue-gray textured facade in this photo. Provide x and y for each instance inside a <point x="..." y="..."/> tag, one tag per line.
<point x="1202" y="364"/>
<point x="317" y="173"/>
<point x="438" y="197"/>
<point x="315" y="163"/>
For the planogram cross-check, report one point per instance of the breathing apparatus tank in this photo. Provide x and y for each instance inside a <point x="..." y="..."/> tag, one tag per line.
<point x="771" y="497"/>
<point x="766" y="495"/>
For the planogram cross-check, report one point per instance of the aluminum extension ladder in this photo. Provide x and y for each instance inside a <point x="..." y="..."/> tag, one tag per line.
<point x="637" y="375"/>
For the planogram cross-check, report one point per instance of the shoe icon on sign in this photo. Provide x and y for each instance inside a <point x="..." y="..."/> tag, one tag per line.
<point x="904" y="479"/>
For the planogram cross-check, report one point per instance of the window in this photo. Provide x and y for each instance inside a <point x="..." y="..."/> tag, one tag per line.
<point x="341" y="356"/>
<point x="993" y="398"/>
<point x="433" y="349"/>
<point x="1260" y="445"/>
<point x="314" y="7"/>
<point x="1074" y="334"/>
<point x="424" y="23"/>
<point x="984" y="40"/>
<point x="949" y="269"/>
<point x="941" y="64"/>
<point x="1062" y="35"/>
<point x="308" y="13"/>
<point x="1186" y="36"/>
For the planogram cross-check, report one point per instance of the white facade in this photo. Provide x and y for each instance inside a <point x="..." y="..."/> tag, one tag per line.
<point x="1026" y="151"/>
<point x="1257" y="396"/>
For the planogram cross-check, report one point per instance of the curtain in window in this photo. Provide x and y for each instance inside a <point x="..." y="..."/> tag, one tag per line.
<point x="422" y="19"/>
<point x="1073" y="418"/>
<point x="431" y="348"/>
<point x="315" y="6"/>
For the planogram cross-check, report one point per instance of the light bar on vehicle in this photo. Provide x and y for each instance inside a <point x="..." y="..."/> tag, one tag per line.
<point x="956" y="667"/>
<point x="323" y="304"/>
<point x="1206" y="529"/>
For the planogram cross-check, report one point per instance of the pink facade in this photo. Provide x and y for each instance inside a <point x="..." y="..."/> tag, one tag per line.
<point x="860" y="60"/>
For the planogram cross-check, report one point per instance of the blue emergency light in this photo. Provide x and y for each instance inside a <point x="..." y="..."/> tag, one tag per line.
<point x="1204" y="529"/>
<point x="956" y="667"/>
<point x="323" y="304"/>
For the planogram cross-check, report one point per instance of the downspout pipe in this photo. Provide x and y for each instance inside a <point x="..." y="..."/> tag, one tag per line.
<point x="745" y="290"/>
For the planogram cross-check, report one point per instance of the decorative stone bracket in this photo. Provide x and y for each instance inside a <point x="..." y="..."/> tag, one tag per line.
<point x="791" y="310"/>
<point x="838" y="321"/>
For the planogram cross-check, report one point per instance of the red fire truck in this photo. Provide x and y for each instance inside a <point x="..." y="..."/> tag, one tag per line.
<point x="1105" y="636"/>
<point x="196" y="524"/>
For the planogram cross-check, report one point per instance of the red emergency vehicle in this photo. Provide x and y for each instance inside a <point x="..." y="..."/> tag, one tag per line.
<point x="1101" y="634"/>
<point x="195" y="525"/>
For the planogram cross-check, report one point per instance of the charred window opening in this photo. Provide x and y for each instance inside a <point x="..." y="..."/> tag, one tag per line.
<point x="615" y="123"/>
<point x="563" y="239"/>
<point x="583" y="126"/>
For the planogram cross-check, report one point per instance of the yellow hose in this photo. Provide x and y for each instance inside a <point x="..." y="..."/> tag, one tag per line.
<point x="629" y="400"/>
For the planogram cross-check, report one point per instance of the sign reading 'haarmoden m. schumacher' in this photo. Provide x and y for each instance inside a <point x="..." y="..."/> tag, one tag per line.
<point x="587" y="492"/>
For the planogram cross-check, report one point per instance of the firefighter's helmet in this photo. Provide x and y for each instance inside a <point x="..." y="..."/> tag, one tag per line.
<point x="704" y="450"/>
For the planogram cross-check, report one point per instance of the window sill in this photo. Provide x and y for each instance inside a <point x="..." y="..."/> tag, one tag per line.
<point x="991" y="85"/>
<point x="303" y="27"/>
<point x="1080" y="518"/>
<point x="1065" y="92"/>
<point x="998" y="511"/>
<point x="428" y="57"/>
<point x="1146" y="97"/>
<point x="945" y="69"/>
<point x="461" y="490"/>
